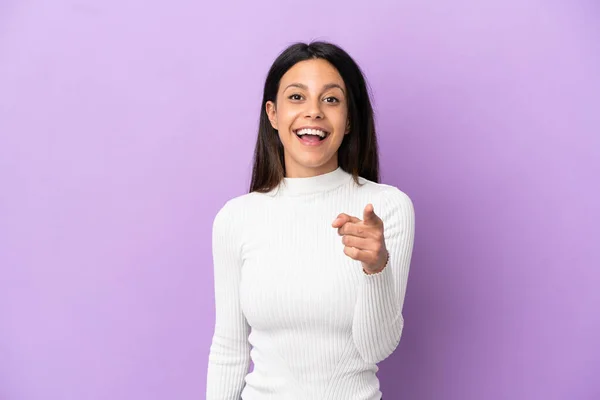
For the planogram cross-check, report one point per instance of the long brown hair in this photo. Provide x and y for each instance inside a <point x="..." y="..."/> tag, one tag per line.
<point x="358" y="153"/>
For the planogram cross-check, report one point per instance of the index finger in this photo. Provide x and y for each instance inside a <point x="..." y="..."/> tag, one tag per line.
<point x="369" y="215"/>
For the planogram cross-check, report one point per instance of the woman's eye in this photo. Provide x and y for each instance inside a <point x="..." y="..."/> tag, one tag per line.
<point x="295" y="97"/>
<point x="331" y="100"/>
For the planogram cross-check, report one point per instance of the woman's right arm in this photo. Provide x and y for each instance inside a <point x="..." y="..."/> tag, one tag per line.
<point x="229" y="358"/>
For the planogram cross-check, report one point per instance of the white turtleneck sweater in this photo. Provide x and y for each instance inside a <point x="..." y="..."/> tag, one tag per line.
<point x="311" y="320"/>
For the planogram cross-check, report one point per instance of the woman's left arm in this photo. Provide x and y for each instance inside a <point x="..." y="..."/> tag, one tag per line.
<point x="378" y="321"/>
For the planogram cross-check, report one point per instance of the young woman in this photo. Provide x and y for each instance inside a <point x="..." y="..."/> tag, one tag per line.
<point x="311" y="266"/>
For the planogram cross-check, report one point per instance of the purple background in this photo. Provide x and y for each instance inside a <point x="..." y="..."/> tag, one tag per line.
<point x="125" y="125"/>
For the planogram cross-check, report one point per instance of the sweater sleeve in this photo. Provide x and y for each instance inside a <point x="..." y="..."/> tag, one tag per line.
<point x="378" y="322"/>
<point x="229" y="357"/>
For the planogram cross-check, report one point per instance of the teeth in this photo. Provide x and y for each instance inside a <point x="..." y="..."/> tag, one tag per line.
<point x="315" y="132"/>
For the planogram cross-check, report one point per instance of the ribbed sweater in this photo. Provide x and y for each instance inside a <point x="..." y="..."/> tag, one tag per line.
<point x="287" y="298"/>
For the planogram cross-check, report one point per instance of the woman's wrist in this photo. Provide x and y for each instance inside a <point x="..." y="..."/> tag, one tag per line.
<point x="378" y="270"/>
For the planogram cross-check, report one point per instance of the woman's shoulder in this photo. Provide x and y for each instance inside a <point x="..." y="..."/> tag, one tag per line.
<point x="238" y="207"/>
<point x="392" y="205"/>
<point x="389" y="192"/>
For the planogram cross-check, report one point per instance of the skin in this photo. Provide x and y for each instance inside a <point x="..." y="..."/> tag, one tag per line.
<point x="312" y="93"/>
<point x="363" y="239"/>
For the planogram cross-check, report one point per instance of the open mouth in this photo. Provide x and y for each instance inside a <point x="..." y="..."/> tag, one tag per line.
<point x="311" y="135"/>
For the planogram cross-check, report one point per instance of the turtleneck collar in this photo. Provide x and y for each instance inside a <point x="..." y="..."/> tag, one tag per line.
<point x="314" y="184"/>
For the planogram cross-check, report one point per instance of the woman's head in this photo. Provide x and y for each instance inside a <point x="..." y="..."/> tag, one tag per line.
<point x="317" y="86"/>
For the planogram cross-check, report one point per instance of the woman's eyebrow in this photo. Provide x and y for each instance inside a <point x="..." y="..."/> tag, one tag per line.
<point x="304" y="87"/>
<point x="298" y="85"/>
<point x="333" y="85"/>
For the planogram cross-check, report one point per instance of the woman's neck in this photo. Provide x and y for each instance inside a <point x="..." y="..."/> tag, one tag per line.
<point x="315" y="183"/>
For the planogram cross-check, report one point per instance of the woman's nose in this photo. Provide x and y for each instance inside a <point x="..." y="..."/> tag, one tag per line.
<point x="314" y="110"/>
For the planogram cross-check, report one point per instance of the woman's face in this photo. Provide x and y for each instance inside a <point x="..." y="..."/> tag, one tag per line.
<point x="311" y="116"/>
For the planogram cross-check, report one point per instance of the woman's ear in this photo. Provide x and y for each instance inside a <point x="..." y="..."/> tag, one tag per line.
<point x="271" y="113"/>
<point x="347" y="127"/>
